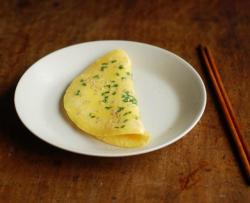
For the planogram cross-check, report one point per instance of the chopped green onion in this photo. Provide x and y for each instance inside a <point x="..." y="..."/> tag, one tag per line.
<point x="128" y="112"/>
<point x="91" y="115"/>
<point x="96" y="76"/>
<point x="105" y="92"/>
<point x="113" y="61"/>
<point x="77" y="92"/>
<point x="126" y="97"/>
<point x="120" y="109"/>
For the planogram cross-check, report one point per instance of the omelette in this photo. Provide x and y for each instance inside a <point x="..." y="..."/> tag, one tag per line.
<point x="101" y="101"/>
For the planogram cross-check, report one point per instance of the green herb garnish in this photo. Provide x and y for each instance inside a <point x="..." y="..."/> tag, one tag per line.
<point x="120" y="109"/>
<point x="117" y="74"/>
<point x="126" y="97"/>
<point x="128" y="112"/>
<point x="113" y="61"/>
<point x="115" y="85"/>
<point x="108" y="107"/>
<point x="105" y="93"/>
<point x="113" y="93"/>
<point x="125" y="120"/>
<point x="91" y="115"/>
<point x="83" y="82"/>
<point x="122" y="126"/>
<point x="123" y="78"/>
<point x="105" y="99"/>
<point x="77" y="92"/>
<point x="96" y="76"/>
<point x="104" y="65"/>
<point x="128" y="73"/>
<point x="121" y="67"/>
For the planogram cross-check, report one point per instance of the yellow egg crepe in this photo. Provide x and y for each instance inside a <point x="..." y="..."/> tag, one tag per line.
<point x="101" y="101"/>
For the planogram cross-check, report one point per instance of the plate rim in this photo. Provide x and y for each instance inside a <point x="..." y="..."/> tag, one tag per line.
<point x="123" y="154"/>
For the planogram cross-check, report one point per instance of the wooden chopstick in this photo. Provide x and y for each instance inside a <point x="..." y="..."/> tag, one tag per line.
<point x="227" y="101"/>
<point x="240" y="143"/>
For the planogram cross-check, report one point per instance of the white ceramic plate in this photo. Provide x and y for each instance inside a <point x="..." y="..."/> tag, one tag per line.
<point x="171" y="96"/>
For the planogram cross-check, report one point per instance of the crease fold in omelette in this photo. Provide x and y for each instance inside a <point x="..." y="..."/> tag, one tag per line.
<point x="101" y="101"/>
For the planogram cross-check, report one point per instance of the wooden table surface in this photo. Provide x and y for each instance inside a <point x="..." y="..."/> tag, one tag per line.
<point x="201" y="167"/>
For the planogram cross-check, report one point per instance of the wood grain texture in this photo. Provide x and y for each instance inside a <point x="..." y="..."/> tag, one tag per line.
<point x="201" y="167"/>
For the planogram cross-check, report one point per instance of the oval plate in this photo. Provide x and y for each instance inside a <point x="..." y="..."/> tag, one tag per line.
<point x="171" y="96"/>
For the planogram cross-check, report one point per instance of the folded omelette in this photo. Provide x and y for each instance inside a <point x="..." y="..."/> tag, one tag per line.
<point x="101" y="101"/>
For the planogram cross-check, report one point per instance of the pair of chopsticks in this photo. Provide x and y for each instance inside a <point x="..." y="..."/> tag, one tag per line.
<point x="238" y="139"/>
